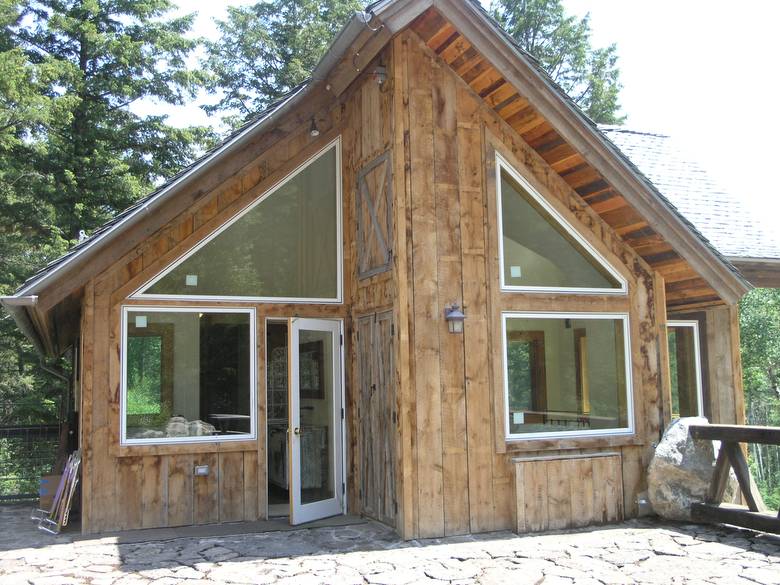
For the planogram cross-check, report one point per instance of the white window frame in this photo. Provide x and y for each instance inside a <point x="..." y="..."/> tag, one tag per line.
<point x="503" y="164"/>
<point x="519" y="437"/>
<point x="338" y="299"/>
<point x="697" y="350"/>
<point x="251" y="436"/>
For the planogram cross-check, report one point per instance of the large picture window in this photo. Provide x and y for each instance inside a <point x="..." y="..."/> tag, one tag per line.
<point x="539" y="250"/>
<point x="187" y="375"/>
<point x="285" y="247"/>
<point x="685" y="368"/>
<point x="566" y="373"/>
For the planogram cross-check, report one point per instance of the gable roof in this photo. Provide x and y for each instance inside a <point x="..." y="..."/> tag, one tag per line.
<point x="357" y="44"/>
<point x="720" y="216"/>
<point x="114" y="226"/>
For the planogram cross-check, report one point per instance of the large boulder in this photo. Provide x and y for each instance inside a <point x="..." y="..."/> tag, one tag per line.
<point x="681" y="470"/>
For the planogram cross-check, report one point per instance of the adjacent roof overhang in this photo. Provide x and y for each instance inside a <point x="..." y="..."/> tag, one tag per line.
<point x="761" y="272"/>
<point x="357" y="44"/>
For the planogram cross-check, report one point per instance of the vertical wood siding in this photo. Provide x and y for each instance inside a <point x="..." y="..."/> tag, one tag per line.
<point x="457" y="469"/>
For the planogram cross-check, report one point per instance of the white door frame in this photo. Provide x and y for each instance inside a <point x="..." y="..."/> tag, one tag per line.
<point x="300" y="512"/>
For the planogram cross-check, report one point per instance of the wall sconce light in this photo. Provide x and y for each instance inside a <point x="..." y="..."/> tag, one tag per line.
<point x="313" y="130"/>
<point x="380" y="74"/>
<point x="455" y="318"/>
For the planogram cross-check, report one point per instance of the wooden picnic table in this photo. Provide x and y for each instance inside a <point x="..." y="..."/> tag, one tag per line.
<point x="731" y="456"/>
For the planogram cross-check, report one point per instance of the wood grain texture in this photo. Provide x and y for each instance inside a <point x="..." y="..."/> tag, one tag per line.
<point x="567" y="491"/>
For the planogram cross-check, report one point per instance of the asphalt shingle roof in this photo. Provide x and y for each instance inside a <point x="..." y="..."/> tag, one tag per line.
<point x="721" y="216"/>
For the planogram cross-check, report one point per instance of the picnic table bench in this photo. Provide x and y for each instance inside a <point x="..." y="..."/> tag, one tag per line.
<point x="731" y="456"/>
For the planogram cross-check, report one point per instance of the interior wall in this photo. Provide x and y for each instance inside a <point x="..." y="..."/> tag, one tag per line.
<point x="457" y="470"/>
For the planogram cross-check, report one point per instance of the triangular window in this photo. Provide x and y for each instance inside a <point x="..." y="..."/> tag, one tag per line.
<point x="540" y="251"/>
<point x="285" y="246"/>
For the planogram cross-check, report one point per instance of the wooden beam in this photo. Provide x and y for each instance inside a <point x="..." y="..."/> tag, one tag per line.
<point x="720" y="478"/>
<point x="737" y="433"/>
<point x="738" y="462"/>
<point x="736" y="517"/>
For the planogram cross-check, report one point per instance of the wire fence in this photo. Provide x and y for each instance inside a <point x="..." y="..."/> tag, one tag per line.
<point x="26" y="453"/>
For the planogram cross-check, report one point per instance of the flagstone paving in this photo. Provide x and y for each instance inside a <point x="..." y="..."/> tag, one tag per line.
<point x="644" y="551"/>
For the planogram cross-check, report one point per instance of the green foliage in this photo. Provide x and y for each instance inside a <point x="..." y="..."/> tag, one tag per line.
<point x="760" y="349"/>
<point x="266" y="49"/>
<point x="98" y="154"/>
<point x="144" y="375"/>
<point x="72" y="152"/>
<point x="562" y="46"/>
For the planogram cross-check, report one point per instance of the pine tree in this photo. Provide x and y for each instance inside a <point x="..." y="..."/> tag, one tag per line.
<point x="266" y="49"/>
<point x="100" y="155"/>
<point x="72" y="152"/>
<point x="561" y="44"/>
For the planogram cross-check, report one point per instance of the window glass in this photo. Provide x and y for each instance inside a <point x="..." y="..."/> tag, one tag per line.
<point x="286" y="246"/>
<point x="538" y="251"/>
<point x="566" y="374"/>
<point x="684" y="365"/>
<point x="187" y="374"/>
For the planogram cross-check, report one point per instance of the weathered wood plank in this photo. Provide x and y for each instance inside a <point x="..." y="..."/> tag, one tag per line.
<point x="426" y="306"/>
<point x="450" y="286"/>
<point x="154" y="491"/>
<point x="180" y="490"/>
<point x="736" y="517"/>
<point x="205" y="490"/>
<point x="476" y="327"/>
<point x="720" y="478"/>
<point x="736" y="433"/>
<point x="403" y="263"/>
<point x="231" y="487"/>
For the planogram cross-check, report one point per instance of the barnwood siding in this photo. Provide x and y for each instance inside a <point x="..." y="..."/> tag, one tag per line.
<point x="153" y="486"/>
<point x="511" y="96"/>
<point x="555" y="492"/>
<point x="454" y="471"/>
<point x="456" y="466"/>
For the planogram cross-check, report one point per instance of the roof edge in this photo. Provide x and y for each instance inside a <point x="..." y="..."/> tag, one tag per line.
<point x="584" y="135"/>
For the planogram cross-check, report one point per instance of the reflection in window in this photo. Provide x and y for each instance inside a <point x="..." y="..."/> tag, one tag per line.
<point x="685" y="368"/>
<point x="187" y="373"/>
<point x="285" y="246"/>
<point x="538" y="251"/>
<point x="558" y="382"/>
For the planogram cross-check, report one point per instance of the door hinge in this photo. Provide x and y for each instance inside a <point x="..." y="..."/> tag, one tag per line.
<point x="341" y="338"/>
<point x="392" y="329"/>
<point x="342" y="414"/>
<point x="395" y="507"/>
<point x="343" y="488"/>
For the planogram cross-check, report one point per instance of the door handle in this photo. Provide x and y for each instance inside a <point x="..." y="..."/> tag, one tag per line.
<point x="297" y="431"/>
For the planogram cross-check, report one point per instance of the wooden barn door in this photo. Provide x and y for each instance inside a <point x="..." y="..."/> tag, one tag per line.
<point x="377" y="416"/>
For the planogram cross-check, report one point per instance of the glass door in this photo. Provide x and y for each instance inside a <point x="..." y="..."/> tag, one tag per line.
<point x="316" y="446"/>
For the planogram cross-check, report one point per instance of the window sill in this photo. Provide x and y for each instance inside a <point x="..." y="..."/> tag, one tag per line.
<point x="153" y="449"/>
<point x="514" y="446"/>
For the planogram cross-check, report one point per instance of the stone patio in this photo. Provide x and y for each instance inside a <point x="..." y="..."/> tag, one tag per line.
<point x="644" y="551"/>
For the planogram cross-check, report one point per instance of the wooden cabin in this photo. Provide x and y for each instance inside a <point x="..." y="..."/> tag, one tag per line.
<point x="422" y="287"/>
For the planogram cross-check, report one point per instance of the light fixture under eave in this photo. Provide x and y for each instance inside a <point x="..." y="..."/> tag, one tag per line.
<point x="380" y="74"/>
<point x="454" y="317"/>
<point x="313" y="130"/>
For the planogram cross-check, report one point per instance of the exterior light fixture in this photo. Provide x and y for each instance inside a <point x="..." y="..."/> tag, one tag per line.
<point x="455" y="318"/>
<point x="313" y="130"/>
<point x="380" y="74"/>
